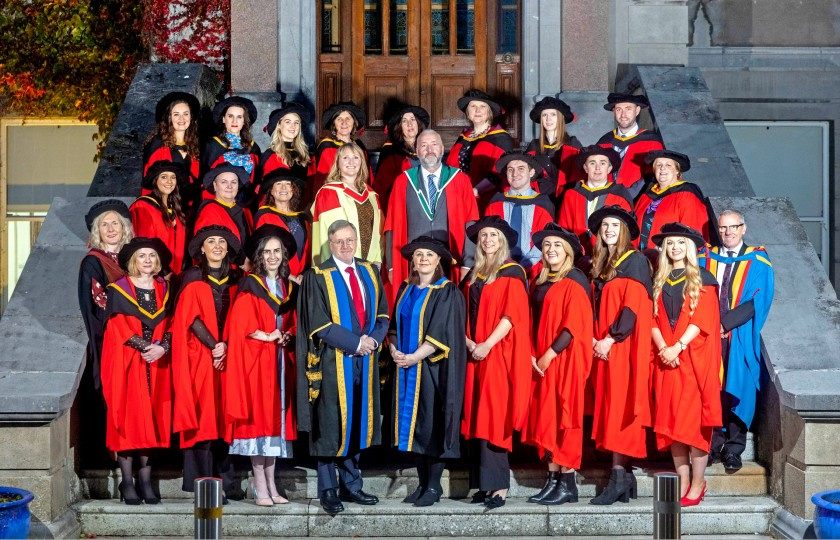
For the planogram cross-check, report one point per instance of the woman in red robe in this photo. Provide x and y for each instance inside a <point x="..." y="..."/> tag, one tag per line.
<point x="555" y="149"/>
<point x="498" y="371"/>
<point x="224" y="183"/>
<point x="260" y="384"/>
<point x="480" y="146"/>
<point x="561" y="355"/>
<point x="176" y="139"/>
<point x="281" y="206"/>
<point x="199" y="353"/>
<point x="288" y="150"/>
<point x="159" y="214"/>
<point x="621" y="349"/>
<point x="234" y="144"/>
<point x="687" y="373"/>
<point x="398" y="154"/>
<point x="346" y="121"/>
<point x="136" y="367"/>
<point x="669" y="199"/>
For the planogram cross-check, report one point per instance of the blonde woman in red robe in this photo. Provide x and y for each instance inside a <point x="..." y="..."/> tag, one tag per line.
<point x="687" y="366"/>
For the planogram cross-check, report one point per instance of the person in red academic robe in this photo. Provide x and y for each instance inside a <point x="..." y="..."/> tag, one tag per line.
<point x="281" y="206"/>
<point x="498" y="376"/>
<point x="561" y="355"/>
<point x="136" y="367"/>
<point x="288" y="150"/>
<point x="175" y="139"/>
<point x="199" y="353"/>
<point x="346" y="121"/>
<point x="622" y="350"/>
<point x="444" y="212"/>
<point x="587" y="196"/>
<point x="525" y="210"/>
<point x="159" y="214"/>
<point x="686" y="377"/>
<point x="555" y="149"/>
<point x="260" y="384"/>
<point x="630" y="141"/>
<point x="480" y="146"/>
<point x="399" y="153"/>
<point x="224" y="182"/>
<point x="234" y="144"/>
<point x="670" y="199"/>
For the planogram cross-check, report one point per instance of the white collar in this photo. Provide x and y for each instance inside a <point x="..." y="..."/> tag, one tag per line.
<point x="630" y="132"/>
<point x="736" y="249"/>
<point x="343" y="266"/>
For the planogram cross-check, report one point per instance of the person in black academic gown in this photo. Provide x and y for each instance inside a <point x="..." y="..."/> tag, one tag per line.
<point x="109" y="223"/>
<point x="428" y="347"/>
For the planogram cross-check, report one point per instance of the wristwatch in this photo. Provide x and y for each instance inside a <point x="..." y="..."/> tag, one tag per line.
<point x="682" y="345"/>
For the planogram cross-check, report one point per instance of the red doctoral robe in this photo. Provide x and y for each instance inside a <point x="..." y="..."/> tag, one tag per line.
<point x="325" y="157"/>
<point x="477" y="156"/>
<point x="147" y="220"/>
<point x="555" y="414"/>
<point x="271" y="162"/>
<point x="214" y="154"/>
<point x="681" y="201"/>
<point x="232" y="216"/>
<point x="138" y="394"/>
<point x="155" y="151"/>
<point x="543" y="214"/>
<point x="578" y="205"/>
<point x="199" y="413"/>
<point x="632" y="150"/>
<point x="559" y="161"/>
<point x="497" y="388"/>
<point x="393" y="160"/>
<point x="270" y="215"/>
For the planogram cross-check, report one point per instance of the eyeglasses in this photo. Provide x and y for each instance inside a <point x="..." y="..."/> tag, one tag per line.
<point x="730" y="228"/>
<point x="343" y="242"/>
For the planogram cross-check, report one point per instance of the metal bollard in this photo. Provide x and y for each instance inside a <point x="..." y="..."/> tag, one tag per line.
<point x="208" y="507"/>
<point x="666" y="505"/>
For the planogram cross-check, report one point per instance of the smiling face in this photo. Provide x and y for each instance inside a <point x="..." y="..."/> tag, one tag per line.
<point x="409" y="126"/>
<point x="226" y="186"/>
<point x="289" y="127"/>
<point x="349" y="165"/>
<point x="146" y="259"/>
<point x="519" y="175"/>
<point x="234" y="119"/>
<point x="282" y="191"/>
<point x="489" y="240"/>
<point x="429" y="150"/>
<point x="215" y="249"/>
<point x="110" y="231"/>
<point x="344" y="124"/>
<point x="272" y="255"/>
<point x="554" y="252"/>
<point x="548" y="120"/>
<point x="597" y="169"/>
<point x="479" y="114"/>
<point x="179" y="117"/>
<point x="166" y="182"/>
<point x="731" y="230"/>
<point x="676" y="248"/>
<point x="666" y="171"/>
<point x="626" y="114"/>
<point x="343" y="245"/>
<point x="609" y="230"/>
<point x="425" y="261"/>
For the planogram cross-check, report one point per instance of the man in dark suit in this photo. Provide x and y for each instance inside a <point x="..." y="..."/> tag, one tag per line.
<point x="342" y="320"/>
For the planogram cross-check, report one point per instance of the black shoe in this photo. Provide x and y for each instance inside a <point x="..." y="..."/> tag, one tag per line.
<point x="618" y="489"/>
<point x="550" y="484"/>
<point x="412" y="498"/>
<point x="358" y="497"/>
<point x="480" y="497"/>
<point x="564" y="491"/>
<point x="225" y="501"/>
<point x="147" y="494"/>
<point x="496" y="501"/>
<point x="429" y="497"/>
<point x="714" y="457"/>
<point x="731" y="461"/>
<point x="133" y="501"/>
<point x="330" y="502"/>
<point x="632" y="490"/>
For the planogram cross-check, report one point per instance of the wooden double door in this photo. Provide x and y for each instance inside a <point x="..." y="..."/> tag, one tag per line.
<point x="426" y="52"/>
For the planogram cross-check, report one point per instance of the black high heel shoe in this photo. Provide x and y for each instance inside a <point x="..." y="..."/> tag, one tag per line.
<point x="132" y="501"/>
<point x="147" y="496"/>
<point x="550" y="485"/>
<point x="480" y="497"/>
<point x="618" y="489"/>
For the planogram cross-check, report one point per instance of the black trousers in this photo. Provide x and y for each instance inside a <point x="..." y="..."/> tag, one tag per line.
<point x="429" y="471"/>
<point x="489" y="466"/>
<point x="344" y="471"/>
<point x="207" y="458"/>
<point x="732" y="436"/>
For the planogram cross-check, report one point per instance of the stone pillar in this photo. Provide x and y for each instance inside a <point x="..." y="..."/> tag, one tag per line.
<point x="647" y="32"/>
<point x="253" y="45"/>
<point x="541" y="56"/>
<point x="586" y="39"/>
<point x="297" y="58"/>
<point x="812" y="464"/>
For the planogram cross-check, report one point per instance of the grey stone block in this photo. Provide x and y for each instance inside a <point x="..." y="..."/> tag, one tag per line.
<point x="769" y="220"/>
<point x="813" y="389"/>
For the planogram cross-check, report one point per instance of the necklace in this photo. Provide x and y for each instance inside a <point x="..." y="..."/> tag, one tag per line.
<point x="475" y="133"/>
<point x="677" y="272"/>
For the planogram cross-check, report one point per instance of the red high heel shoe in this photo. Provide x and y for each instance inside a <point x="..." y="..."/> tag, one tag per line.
<point x="685" y="501"/>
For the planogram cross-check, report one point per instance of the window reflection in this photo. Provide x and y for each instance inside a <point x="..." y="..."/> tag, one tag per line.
<point x="508" y="27"/>
<point x="373" y="27"/>
<point x="398" y="27"/>
<point x="330" y="26"/>
<point x="440" y="27"/>
<point x="466" y="26"/>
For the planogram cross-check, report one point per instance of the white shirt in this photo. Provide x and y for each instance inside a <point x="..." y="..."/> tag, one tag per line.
<point x="424" y="176"/>
<point x="630" y="132"/>
<point x="342" y="268"/>
<point x="722" y="267"/>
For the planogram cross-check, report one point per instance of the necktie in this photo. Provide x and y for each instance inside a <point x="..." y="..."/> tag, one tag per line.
<point x="516" y="224"/>
<point x="725" y="296"/>
<point x="356" y="293"/>
<point x="433" y="193"/>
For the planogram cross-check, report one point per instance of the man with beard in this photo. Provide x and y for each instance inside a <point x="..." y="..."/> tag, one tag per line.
<point x="434" y="200"/>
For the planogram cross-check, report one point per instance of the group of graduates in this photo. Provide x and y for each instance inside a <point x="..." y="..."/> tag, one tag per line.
<point x="248" y="296"/>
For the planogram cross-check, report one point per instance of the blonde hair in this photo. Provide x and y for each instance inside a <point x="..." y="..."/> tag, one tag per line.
<point x="484" y="265"/>
<point x="693" y="282"/>
<point x="95" y="239"/>
<point x="565" y="268"/>
<point x="561" y="135"/>
<point x="603" y="262"/>
<point x="299" y="145"/>
<point x="132" y="265"/>
<point x="361" y="177"/>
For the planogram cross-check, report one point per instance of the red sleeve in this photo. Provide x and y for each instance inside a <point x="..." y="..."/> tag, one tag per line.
<point x="143" y="220"/>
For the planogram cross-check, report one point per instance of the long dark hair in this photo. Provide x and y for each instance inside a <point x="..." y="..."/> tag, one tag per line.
<point x="173" y="203"/>
<point x="259" y="263"/>
<point x="224" y="270"/>
<point x="245" y="132"/>
<point x="397" y="135"/>
<point x="166" y="132"/>
<point x="294" y="202"/>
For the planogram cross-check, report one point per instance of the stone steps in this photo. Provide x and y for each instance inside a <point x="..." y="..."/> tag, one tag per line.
<point x="396" y="482"/>
<point x="451" y="517"/>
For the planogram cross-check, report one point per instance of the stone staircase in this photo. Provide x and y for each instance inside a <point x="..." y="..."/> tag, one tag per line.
<point x="737" y="505"/>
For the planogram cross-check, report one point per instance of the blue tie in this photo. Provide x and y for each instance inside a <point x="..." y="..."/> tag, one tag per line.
<point x="433" y="193"/>
<point x="516" y="218"/>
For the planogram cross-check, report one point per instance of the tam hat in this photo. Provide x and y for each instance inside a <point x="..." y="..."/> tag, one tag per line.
<point x="139" y="242"/>
<point x="210" y="176"/>
<point x="181" y="174"/>
<point x="235" y="101"/>
<point x="279" y="174"/>
<point x="550" y="102"/>
<point x="427" y="242"/>
<point x="681" y="159"/>
<point x="617" y="97"/>
<point x="337" y="108"/>
<point x="174" y="97"/>
<point x="507" y="157"/>
<point x="288" y="108"/>
<point x="214" y="230"/>
<point x="478" y="95"/>
<point x="553" y="229"/>
<point x="597" y="150"/>
<point x="678" y="229"/>
<point x="269" y="231"/>
<point x="614" y="211"/>
<point x="420" y="113"/>
<point x="102" y="207"/>
<point x="494" y="222"/>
